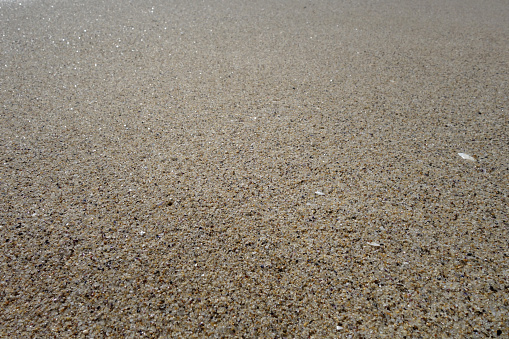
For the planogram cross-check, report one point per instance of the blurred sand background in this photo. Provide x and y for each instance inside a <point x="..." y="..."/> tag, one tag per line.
<point x="254" y="168"/>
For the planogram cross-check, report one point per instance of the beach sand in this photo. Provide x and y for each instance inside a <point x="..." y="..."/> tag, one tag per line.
<point x="254" y="169"/>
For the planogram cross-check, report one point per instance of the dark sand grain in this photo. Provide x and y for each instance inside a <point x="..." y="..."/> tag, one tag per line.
<point x="159" y="163"/>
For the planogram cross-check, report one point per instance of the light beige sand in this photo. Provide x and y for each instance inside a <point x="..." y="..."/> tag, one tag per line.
<point x="254" y="168"/>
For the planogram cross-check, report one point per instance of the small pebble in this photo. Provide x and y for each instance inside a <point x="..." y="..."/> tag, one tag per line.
<point x="466" y="156"/>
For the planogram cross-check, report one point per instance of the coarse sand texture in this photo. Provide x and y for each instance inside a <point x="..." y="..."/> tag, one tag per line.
<point x="257" y="169"/>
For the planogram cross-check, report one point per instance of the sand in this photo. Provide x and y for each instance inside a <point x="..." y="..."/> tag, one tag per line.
<point x="284" y="169"/>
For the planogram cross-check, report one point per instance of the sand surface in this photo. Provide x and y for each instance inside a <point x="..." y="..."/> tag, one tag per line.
<point x="254" y="168"/>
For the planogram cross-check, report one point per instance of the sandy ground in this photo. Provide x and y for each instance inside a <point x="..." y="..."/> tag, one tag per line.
<point x="254" y="168"/>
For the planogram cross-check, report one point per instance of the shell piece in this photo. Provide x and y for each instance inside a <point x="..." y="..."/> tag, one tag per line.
<point x="319" y="193"/>
<point x="375" y="244"/>
<point x="466" y="156"/>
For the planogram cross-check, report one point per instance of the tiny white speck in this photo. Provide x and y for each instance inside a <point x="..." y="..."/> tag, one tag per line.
<point x="466" y="156"/>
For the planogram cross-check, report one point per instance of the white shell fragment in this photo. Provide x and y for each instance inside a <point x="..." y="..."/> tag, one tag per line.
<point x="466" y="156"/>
<point x="339" y="328"/>
<point x="319" y="193"/>
<point x="375" y="244"/>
